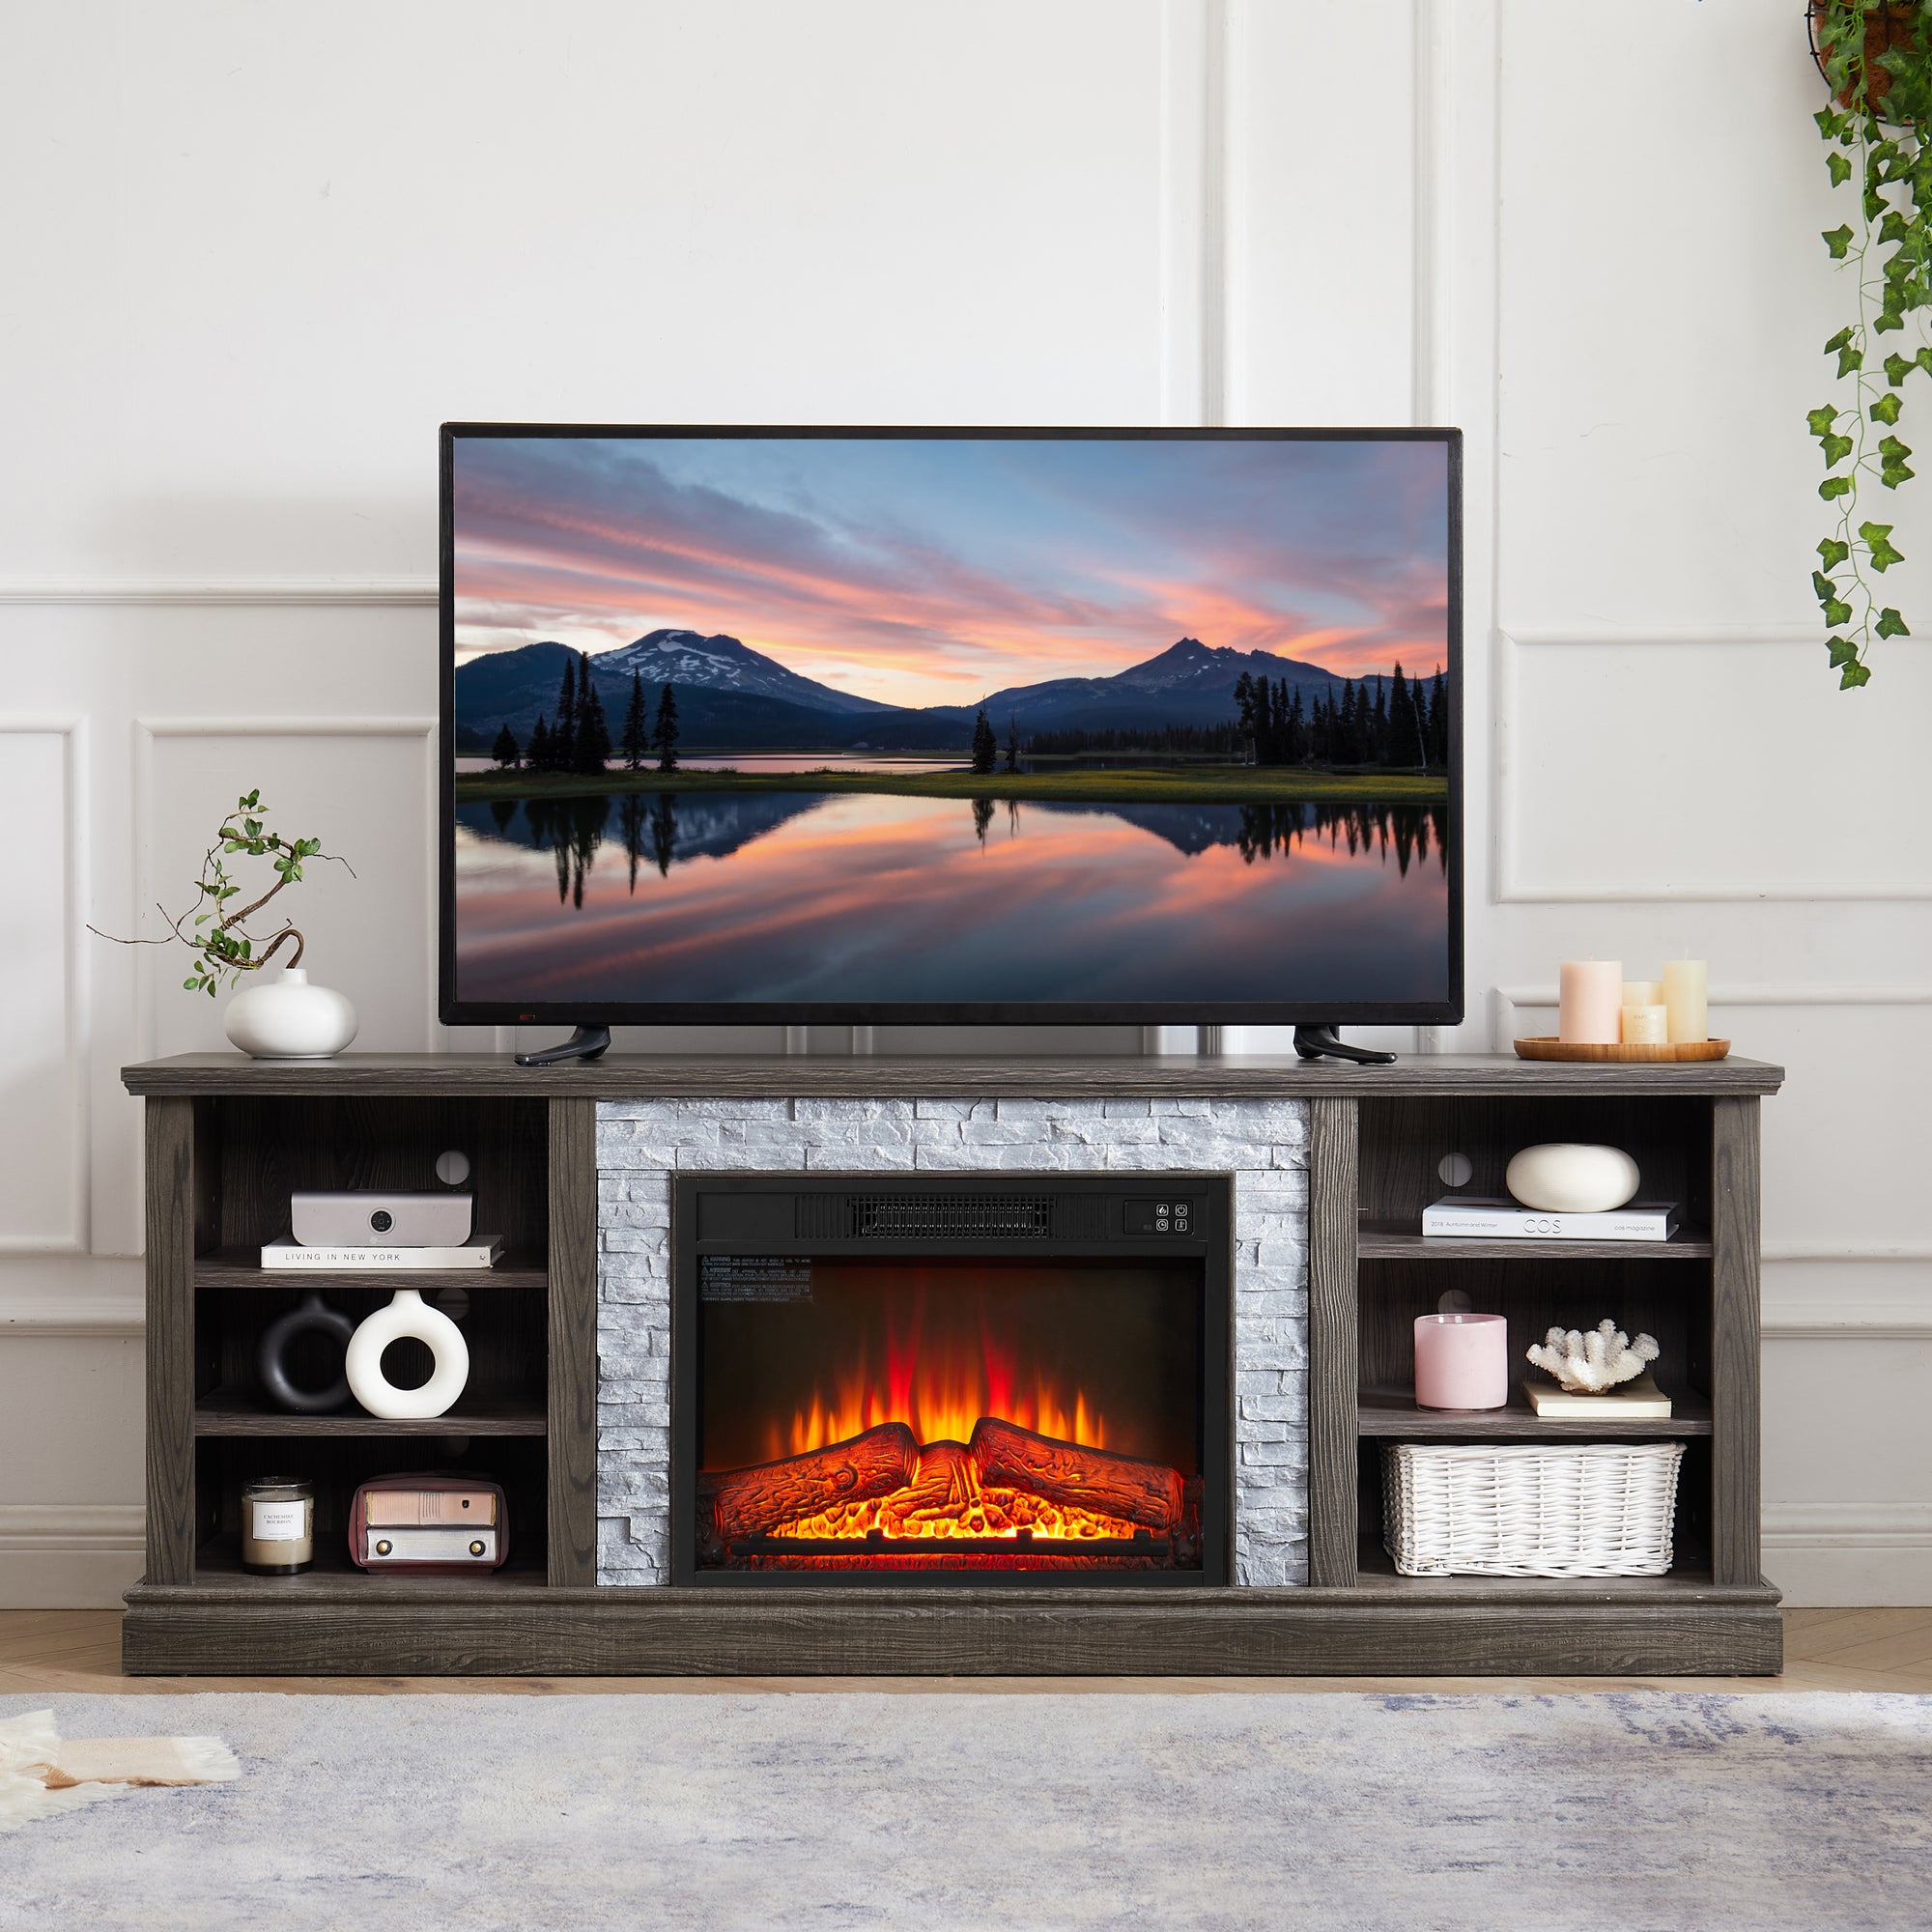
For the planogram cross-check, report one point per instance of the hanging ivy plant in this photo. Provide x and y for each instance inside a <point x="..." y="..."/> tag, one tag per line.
<point x="1876" y="56"/>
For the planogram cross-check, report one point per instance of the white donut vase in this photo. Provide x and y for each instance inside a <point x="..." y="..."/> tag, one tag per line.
<point x="1569" y="1177"/>
<point x="407" y="1315"/>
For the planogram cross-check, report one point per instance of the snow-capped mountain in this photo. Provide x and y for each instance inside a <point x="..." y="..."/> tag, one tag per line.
<point x="1189" y="683"/>
<point x="690" y="662"/>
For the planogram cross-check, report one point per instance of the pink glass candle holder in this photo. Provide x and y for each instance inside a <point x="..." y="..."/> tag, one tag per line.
<point x="1461" y="1361"/>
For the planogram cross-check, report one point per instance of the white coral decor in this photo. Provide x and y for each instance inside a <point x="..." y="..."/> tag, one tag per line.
<point x="1593" y="1363"/>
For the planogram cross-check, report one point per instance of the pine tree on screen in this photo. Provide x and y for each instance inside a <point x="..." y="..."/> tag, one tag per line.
<point x="1403" y="743"/>
<point x="537" y="758"/>
<point x="985" y="746"/>
<point x="505" y="750"/>
<point x="664" y="733"/>
<point x="1012" y="746"/>
<point x="563" y="733"/>
<point x="637" y="733"/>
<point x="593" y="730"/>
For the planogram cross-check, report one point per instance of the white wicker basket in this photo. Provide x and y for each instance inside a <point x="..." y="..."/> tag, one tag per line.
<point x="1487" y="1509"/>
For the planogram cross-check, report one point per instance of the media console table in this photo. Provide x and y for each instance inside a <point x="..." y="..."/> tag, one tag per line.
<point x="228" y="1138"/>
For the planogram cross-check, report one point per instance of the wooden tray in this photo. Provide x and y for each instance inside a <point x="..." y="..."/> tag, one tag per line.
<point x="1547" y="1048"/>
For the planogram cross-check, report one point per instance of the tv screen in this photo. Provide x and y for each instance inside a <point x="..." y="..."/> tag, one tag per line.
<point x="943" y="725"/>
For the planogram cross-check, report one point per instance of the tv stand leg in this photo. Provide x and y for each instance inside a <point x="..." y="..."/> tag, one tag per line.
<point x="1318" y="1043"/>
<point x="588" y="1042"/>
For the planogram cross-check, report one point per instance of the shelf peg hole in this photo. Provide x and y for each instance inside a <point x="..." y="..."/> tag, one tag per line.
<point x="1455" y="1170"/>
<point x="454" y="1303"/>
<point x="1453" y="1301"/>
<point x="452" y="1169"/>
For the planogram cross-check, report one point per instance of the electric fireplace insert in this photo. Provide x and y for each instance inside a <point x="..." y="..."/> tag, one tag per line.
<point x="947" y="1379"/>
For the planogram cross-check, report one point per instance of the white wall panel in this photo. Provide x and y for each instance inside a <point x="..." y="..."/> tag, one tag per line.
<point x="1322" y="246"/>
<point x="1665" y="299"/>
<point x="317" y="234"/>
<point x="42" y="1184"/>
<point x="366" y="788"/>
<point x="1700" y="771"/>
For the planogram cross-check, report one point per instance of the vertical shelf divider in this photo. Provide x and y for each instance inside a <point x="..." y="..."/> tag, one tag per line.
<point x="1333" y="1140"/>
<point x="1735" y="1320"/>
<point x="572" y="1303"/>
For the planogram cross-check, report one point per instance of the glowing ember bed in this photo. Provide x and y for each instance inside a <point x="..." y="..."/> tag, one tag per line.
<point x="952" y="1381"/>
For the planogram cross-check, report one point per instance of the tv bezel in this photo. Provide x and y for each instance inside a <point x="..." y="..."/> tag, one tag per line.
<point x="455" y="1011"/>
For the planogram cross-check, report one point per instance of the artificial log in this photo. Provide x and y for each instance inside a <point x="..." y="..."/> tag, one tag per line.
<point x="1076" y="1477"/>
<point x="750" y="1502"/>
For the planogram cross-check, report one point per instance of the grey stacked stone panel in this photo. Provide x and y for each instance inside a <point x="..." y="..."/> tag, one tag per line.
<point x="1263" y="1144"/>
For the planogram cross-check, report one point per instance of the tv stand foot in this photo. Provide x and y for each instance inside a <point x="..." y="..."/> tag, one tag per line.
<point x="588" y="1042"/>
<point x="1318" y="1042"/>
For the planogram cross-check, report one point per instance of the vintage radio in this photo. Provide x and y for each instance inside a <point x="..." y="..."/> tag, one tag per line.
<point x="434" y="1523"/>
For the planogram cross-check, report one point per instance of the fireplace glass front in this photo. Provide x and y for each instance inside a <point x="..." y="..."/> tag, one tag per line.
<point x="934" y="1392"/>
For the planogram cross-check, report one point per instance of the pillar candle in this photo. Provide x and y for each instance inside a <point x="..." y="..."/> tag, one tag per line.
<point x="1684" y="982"/>
<point x="1461" y="1361"/>
<point x="1646" y="1025"/>
<point x="1643" y="992"/>
<point x="1592" y="999"/>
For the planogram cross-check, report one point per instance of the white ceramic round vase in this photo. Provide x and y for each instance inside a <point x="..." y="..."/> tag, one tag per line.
<point x="1571" y="1178"/>
<point x="406" y="1314"/>
<point x="288" y="1019"/>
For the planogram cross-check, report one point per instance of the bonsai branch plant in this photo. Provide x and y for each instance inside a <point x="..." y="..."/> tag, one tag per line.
<point x="286" y="1019"/>
<point x="1876" y="56"/>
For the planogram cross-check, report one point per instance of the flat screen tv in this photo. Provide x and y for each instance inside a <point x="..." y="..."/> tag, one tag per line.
<point x="927" y="726"/>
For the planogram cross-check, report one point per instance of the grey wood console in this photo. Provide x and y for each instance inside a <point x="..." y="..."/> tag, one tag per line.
<point x="227" y="1138"/>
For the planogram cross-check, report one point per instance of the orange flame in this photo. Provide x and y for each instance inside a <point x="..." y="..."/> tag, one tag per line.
<point x="939" y="1391"/>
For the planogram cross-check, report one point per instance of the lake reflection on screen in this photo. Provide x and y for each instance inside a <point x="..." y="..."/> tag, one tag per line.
<point x="803" y="897"/>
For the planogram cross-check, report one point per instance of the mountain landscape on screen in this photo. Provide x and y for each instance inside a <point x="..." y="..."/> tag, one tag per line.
<point x="763" y="725"/>
<point x="732" y="697"/>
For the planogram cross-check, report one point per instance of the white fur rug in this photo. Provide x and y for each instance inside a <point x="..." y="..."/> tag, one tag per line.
<point x="1637" y="1811"/>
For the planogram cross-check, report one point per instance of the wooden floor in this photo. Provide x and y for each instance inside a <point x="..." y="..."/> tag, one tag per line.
<point x="44" y="1652"/>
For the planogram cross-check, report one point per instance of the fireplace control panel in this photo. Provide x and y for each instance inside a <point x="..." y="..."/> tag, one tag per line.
<point x="1174" y="1215"/>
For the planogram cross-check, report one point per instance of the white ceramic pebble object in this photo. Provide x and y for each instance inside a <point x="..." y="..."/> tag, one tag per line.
<point x="1571" y="1178"/>
<point x="288" y="1019"/>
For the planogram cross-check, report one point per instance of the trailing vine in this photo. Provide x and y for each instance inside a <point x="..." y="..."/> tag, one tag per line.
<point x="1876" y="126"/>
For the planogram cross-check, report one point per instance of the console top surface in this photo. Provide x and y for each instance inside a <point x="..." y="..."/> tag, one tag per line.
<point x="630" y="1076"/>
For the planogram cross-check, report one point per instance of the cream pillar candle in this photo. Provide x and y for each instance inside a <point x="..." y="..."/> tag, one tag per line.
<point x="1591" y="1002"/>
<point x="1643" y="992"/>
<point x="1646" y="1025"/>
<point x="1685" y="991"/>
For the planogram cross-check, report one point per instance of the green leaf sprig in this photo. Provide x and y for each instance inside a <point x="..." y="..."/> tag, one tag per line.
<point x="215" y="931"/>
<point x="1875" y="127"/>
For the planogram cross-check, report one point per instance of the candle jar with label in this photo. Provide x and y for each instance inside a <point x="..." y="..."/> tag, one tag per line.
<point x="277" y="1526"/>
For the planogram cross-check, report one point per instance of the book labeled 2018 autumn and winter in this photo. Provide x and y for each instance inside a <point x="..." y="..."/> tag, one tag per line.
<point x="1463" y="1217"/>
<point x="479" y="1252"/>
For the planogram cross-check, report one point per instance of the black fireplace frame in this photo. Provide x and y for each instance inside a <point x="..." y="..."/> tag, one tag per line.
<point x="760" y="1213"/>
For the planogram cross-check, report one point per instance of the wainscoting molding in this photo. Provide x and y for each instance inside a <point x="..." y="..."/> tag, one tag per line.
<point x="1512" y="889"/>
<point x="148" y="729"/>
<point x="69" y="1556"/>
<point x="261" y="593"/>
<point x="72" y="731"/>
<point x="1853" y="1553"/>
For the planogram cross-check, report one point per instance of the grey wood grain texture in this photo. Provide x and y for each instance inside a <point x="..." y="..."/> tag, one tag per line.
<point x="1333" y="1364"/>
<point x="1392" y="1412"/>
<point x="1736" y="1485"/>
<point x="881" y="1076"/>
<point x="573" y="1342"/>
<point x="171" y="1198"/>
<point x="1379" y="1241"/>
<point x="686" y="1632"/>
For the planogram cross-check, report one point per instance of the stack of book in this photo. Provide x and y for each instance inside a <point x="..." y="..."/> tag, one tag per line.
<point x="481" y="1251"/>
<point x="1467" y="1218"/>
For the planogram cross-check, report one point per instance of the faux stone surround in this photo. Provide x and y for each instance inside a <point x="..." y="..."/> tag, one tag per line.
<point x="1263" y="1144"/>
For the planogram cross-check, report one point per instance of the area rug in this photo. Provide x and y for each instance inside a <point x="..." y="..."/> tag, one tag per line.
<point x="1643" y="1812"/>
